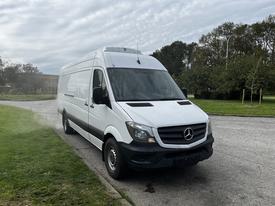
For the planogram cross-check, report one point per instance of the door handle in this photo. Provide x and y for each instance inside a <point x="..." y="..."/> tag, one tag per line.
<point x="92" y="105"/>
<point x="86" y="104"/>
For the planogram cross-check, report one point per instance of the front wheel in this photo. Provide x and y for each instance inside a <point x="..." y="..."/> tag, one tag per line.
<point x="114" y="162"/>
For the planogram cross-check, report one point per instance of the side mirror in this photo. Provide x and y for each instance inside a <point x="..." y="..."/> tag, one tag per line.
<point x="100" y="96"/>
<point x="184" y="91"/>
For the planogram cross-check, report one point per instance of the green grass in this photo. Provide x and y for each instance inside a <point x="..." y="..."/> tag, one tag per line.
<point x="25" y="97"/>
<point x="38" y="168"/>
<point x="236" y="108"/>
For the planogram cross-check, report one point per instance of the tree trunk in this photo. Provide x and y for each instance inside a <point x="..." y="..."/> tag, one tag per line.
<point x="253" y="79"/>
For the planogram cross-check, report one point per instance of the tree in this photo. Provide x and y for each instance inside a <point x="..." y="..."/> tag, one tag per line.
<point x="250" y="60"/>
<point x="209" y="71"/>
<point x="11" y="73"/>
<point x="23" y="78"/>
<point x="175" y="57"/>
<point x="29" y="68"/>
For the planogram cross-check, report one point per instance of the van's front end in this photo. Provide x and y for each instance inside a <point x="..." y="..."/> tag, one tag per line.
<point x="161" y="146"/>
<point x="166" y="128"/>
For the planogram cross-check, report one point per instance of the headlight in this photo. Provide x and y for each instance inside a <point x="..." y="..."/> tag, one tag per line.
<point x="209" y="127"/>
<point x="140" y="133"/>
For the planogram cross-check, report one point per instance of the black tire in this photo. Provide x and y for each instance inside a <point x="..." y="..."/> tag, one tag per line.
<point x="114" y="162"/>
<point x="66" y="125"/>
<point x="195" y="163"/>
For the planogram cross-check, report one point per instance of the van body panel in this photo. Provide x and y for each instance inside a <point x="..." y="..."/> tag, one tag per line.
<point x="116" y="124"/>
<point x="115" y="133"/>
<point x="165" y="113"/>
<point x="106" y="120"/>
<point x="130" y="61"/>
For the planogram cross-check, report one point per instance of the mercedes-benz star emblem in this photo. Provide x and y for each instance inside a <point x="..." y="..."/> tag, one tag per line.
<point x="188" y="133"/>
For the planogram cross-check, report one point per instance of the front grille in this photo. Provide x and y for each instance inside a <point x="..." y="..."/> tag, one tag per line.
<point x="175" y="134"/>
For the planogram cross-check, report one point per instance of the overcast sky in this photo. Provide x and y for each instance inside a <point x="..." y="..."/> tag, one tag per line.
<point x="52" y="33"/>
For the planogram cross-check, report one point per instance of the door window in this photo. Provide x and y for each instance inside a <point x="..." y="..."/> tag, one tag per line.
<point x="99" y="81"/>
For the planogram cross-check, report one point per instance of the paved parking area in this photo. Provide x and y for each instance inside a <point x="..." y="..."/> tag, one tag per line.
<point x="240" y="172"/>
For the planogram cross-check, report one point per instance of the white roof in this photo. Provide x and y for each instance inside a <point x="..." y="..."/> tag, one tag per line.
<point x="121" y="50"/>
<point x="117" y="57"/>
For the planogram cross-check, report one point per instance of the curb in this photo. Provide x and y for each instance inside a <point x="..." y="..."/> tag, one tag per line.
<point x="114" y="193"/>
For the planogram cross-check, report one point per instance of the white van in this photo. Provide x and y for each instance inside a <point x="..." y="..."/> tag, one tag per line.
<point x="129" y="107"/>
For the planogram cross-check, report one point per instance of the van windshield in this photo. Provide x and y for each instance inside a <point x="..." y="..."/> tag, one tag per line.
<point x="143" y="85"/>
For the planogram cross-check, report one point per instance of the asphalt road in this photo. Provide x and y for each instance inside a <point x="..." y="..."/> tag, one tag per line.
<point x="240" y="172"/>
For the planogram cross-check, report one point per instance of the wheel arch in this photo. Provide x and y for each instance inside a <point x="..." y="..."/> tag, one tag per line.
<point x="110" y="132"/>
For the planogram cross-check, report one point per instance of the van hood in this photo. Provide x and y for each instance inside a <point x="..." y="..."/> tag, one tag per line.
<point x="164" y="113"/>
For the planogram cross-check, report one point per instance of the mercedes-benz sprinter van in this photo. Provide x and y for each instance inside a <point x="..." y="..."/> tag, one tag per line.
<point x="128" y="106"/>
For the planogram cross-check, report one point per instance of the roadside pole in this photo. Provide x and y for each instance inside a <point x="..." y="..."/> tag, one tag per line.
<point x="243" y="96"/>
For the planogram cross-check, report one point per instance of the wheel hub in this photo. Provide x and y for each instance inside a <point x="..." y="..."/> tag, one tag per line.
<point x="112" y="159"/>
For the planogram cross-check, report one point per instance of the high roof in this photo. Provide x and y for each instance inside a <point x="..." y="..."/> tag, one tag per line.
<point x="130" y="60"/>
<point x="121" y="50"/>
<point x="117" y="57"/>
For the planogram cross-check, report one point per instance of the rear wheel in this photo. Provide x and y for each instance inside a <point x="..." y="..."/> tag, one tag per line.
<point x="114" y="162"/>
<point x="66" y="125"/>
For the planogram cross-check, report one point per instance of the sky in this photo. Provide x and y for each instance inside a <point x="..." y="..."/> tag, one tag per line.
<point x="52" y="33"/>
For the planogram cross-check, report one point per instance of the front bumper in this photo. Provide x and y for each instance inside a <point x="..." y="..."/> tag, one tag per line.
<point x="154" y="156"/>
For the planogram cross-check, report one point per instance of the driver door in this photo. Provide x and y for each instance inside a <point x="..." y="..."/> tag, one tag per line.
<point x="98" y="113"/>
